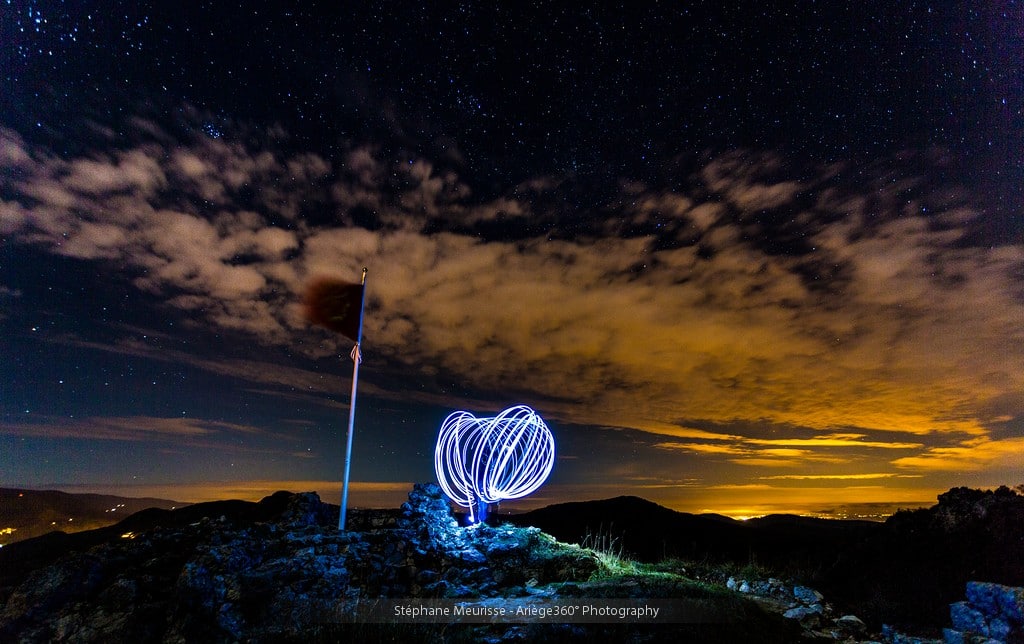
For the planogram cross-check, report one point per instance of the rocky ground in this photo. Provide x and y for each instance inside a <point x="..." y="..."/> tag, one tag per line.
<point x="283" y="572"/>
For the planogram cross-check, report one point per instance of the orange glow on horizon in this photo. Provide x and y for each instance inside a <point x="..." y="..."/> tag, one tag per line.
<point x="853" y="495"/>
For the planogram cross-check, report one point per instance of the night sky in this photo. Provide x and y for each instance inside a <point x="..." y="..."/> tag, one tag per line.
<point x="741" y="259"/>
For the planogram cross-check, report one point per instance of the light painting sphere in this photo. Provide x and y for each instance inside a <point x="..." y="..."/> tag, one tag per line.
<point x="479" y="461"/>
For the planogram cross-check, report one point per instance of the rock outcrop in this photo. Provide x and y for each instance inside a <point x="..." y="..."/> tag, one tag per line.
<point x="969" y="535"/>
<point x="279" y="570"/>
<point x="804" y="605"/>
<point x="992" y="613"/>
<point x="214" y="580"/>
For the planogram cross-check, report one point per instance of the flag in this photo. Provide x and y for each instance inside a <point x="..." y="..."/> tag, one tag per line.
<point x="335" y="305"/>
<point x="338" y="306"/>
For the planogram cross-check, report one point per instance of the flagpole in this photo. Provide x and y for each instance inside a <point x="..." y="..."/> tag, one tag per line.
<point x="356" y="359"/>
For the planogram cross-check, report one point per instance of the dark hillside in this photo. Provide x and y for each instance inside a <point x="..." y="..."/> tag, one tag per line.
<point x="649" y="532"/>
<point x="905" y="571"/>
<point x="920" y="561"/>
<point x="30" y="513"/>
<point x="19" y="559"/>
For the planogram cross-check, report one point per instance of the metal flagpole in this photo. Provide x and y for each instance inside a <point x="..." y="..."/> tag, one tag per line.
<point x="357" y="357"/>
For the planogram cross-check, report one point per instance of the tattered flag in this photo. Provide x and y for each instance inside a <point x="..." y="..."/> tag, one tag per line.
<point x="335" y="305"/>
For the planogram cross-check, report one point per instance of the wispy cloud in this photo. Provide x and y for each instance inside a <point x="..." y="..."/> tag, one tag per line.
<point x="704" y="448"/>
<point x="836" y="440"/>
<point x="969" y="456"/>
<point x="786" y="452"/>
<point x="134" y="428"/>
<point x="837" y="477"/>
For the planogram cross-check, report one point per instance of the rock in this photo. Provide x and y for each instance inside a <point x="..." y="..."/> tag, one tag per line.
<point x="807" y="595"/>
<point x="851" y="624"/>
<point x="1011" y="605"/>
<point x="999" y="629"/>
<point x="808" y="617"/>
<point x="951" y="636"/>
<point x="892" y="636"/>
<point x="426" y="577"/>
<point x="471" y="556"/>
<point x="997" y="599"/>
<point x="744" y="587"/>
<point x="991" y="614"/>
<point x="427" y="505"/>
<point x="731" y="584"/>
<point x="761" y="588"/>
<point x="306" y="509"/>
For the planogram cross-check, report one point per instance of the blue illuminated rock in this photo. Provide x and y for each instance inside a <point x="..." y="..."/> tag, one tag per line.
<point x="992" y="612"/>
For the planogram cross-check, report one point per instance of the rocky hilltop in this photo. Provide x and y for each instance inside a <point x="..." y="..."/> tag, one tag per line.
<point x="280" y="571"/>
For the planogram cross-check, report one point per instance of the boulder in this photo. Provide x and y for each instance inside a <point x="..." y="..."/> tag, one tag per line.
<point x="806" y="595"/>
<point x="966" y="617"/>
<point x="997" y="599"/>
<point x="808" y="617"/>
<point x="851" y="625"/>
<point x="992" y="612"/>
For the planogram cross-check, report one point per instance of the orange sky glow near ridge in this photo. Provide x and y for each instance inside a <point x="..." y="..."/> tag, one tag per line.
<point x="866" y="501"/>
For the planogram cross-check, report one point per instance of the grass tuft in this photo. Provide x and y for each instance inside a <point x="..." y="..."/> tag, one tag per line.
<point x="608" y="549"/>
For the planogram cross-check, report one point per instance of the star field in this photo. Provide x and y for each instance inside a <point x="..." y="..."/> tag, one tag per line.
<point x="767" y="253"/>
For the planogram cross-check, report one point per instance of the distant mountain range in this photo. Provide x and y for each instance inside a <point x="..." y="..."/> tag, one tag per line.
<point x="30" y="513"/>
<point x="648" y="532"/>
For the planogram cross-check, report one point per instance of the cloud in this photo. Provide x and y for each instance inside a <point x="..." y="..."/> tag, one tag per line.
<point x="880" y="321"/>
<point x="743" y="179"/>
<point x="786" y="452"/>
<point x="970" y="456"/>
<point x="837" y="477"/>
<point x="13" y="150"/>
<point x="133" y="428"/>
<point x="767" y="462"/>
<point x="134" y="171"/>
<point x="703" y="448"/>
<point x="838" y="440"/>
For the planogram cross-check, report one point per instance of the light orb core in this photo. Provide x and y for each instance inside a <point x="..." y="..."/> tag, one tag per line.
<point x="480" y="461"/>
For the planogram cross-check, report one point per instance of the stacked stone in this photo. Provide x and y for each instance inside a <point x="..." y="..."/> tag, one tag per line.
<point x="804" y="605"/>
<point x="992" y="614"/>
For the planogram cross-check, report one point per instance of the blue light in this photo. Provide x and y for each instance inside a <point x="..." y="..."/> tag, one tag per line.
<point x="480" y="461"/>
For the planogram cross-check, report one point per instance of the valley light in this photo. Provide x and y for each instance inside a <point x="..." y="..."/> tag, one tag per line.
<point x="480" y="461"/>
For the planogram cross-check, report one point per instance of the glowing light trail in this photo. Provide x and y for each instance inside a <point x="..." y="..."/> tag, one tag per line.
<point x="486" y="460"/>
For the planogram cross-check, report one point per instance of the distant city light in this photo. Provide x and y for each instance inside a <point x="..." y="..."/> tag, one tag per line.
<point x="480" y="461"/>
